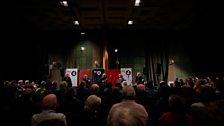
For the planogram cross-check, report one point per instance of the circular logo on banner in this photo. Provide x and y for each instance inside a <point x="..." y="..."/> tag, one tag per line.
<point x="128" y="72"/>
<point x="73" y="73"/>
<point x="98" y="72"/>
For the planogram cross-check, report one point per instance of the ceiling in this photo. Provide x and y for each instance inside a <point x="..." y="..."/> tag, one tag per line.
<point x="109" y="14"/>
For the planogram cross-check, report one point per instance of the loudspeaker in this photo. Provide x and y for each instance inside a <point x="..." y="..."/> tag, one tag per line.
<point x="158" y="68"/>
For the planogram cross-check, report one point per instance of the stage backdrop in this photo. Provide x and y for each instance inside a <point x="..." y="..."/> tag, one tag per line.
<point x="97" y="74"/>
<point x="127" y="74"/>
<point x="112" y="76"/>
<point x="73" y="74"/>
<point x="82" y="73"/>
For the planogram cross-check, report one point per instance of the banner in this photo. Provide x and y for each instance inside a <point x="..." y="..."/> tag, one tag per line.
<point x="97" y="74"/>
<point x="127" y="74"/>
<point x="73" y="74"/>
<point x="112" y="76"/>
<point x="82" y="73"/>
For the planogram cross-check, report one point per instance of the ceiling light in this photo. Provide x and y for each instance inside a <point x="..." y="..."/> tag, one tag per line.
<point x="64" y="3"/>
<point x="137" y="2"/>
<point x="82" y="33"/>
<point x="130" y="22"/>
<point x="76" y="22"/>
<point x="115" y="50"/>
<point x="82" y="48"/>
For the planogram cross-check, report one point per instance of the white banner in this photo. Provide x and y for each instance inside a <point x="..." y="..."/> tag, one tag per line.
<point x="127" y="74"/>
<point x="73" y="74"/>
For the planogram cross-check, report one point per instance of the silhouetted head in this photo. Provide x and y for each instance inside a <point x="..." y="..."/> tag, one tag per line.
<point x="49" y="102"/>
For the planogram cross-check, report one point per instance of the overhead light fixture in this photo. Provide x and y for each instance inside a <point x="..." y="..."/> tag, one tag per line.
<point x="82" y="48"/>
<point x="130" y="22"/>
<point x="137" y="2"/>
<point x="82" y="33"/>
<point x="171" y="61"/>
<point x="115" y="50"/>
<point x="64" y="3"/>
<point x="76" y="22"/>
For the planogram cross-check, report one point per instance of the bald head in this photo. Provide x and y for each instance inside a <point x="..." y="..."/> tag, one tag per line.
<point x="129" y="92"/>
<point x="94" y="88"/>
<point x="49" y="101"/>
<point x="140" y="88"/>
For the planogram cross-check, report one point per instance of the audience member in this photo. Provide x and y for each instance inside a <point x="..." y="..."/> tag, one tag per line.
<point x="49" y="105"/>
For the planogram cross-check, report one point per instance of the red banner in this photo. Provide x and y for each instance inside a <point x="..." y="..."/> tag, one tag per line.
<point x="112" y="76"/>
<point x="82" y="73"/>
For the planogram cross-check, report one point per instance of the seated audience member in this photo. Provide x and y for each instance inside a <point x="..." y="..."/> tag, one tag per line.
<point x="199" y="110"/>
<point x="90" y="117"/>
<point x="216" y="111"/>
<point x="49" y="104"/>
<point x="127" y="112"/>
<point x="143" y="98"/>
<point x="124" y="84"/>
<point x="94" y="89"/>
<point x="177" y="116"/>
<point x="92" y="103"/>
